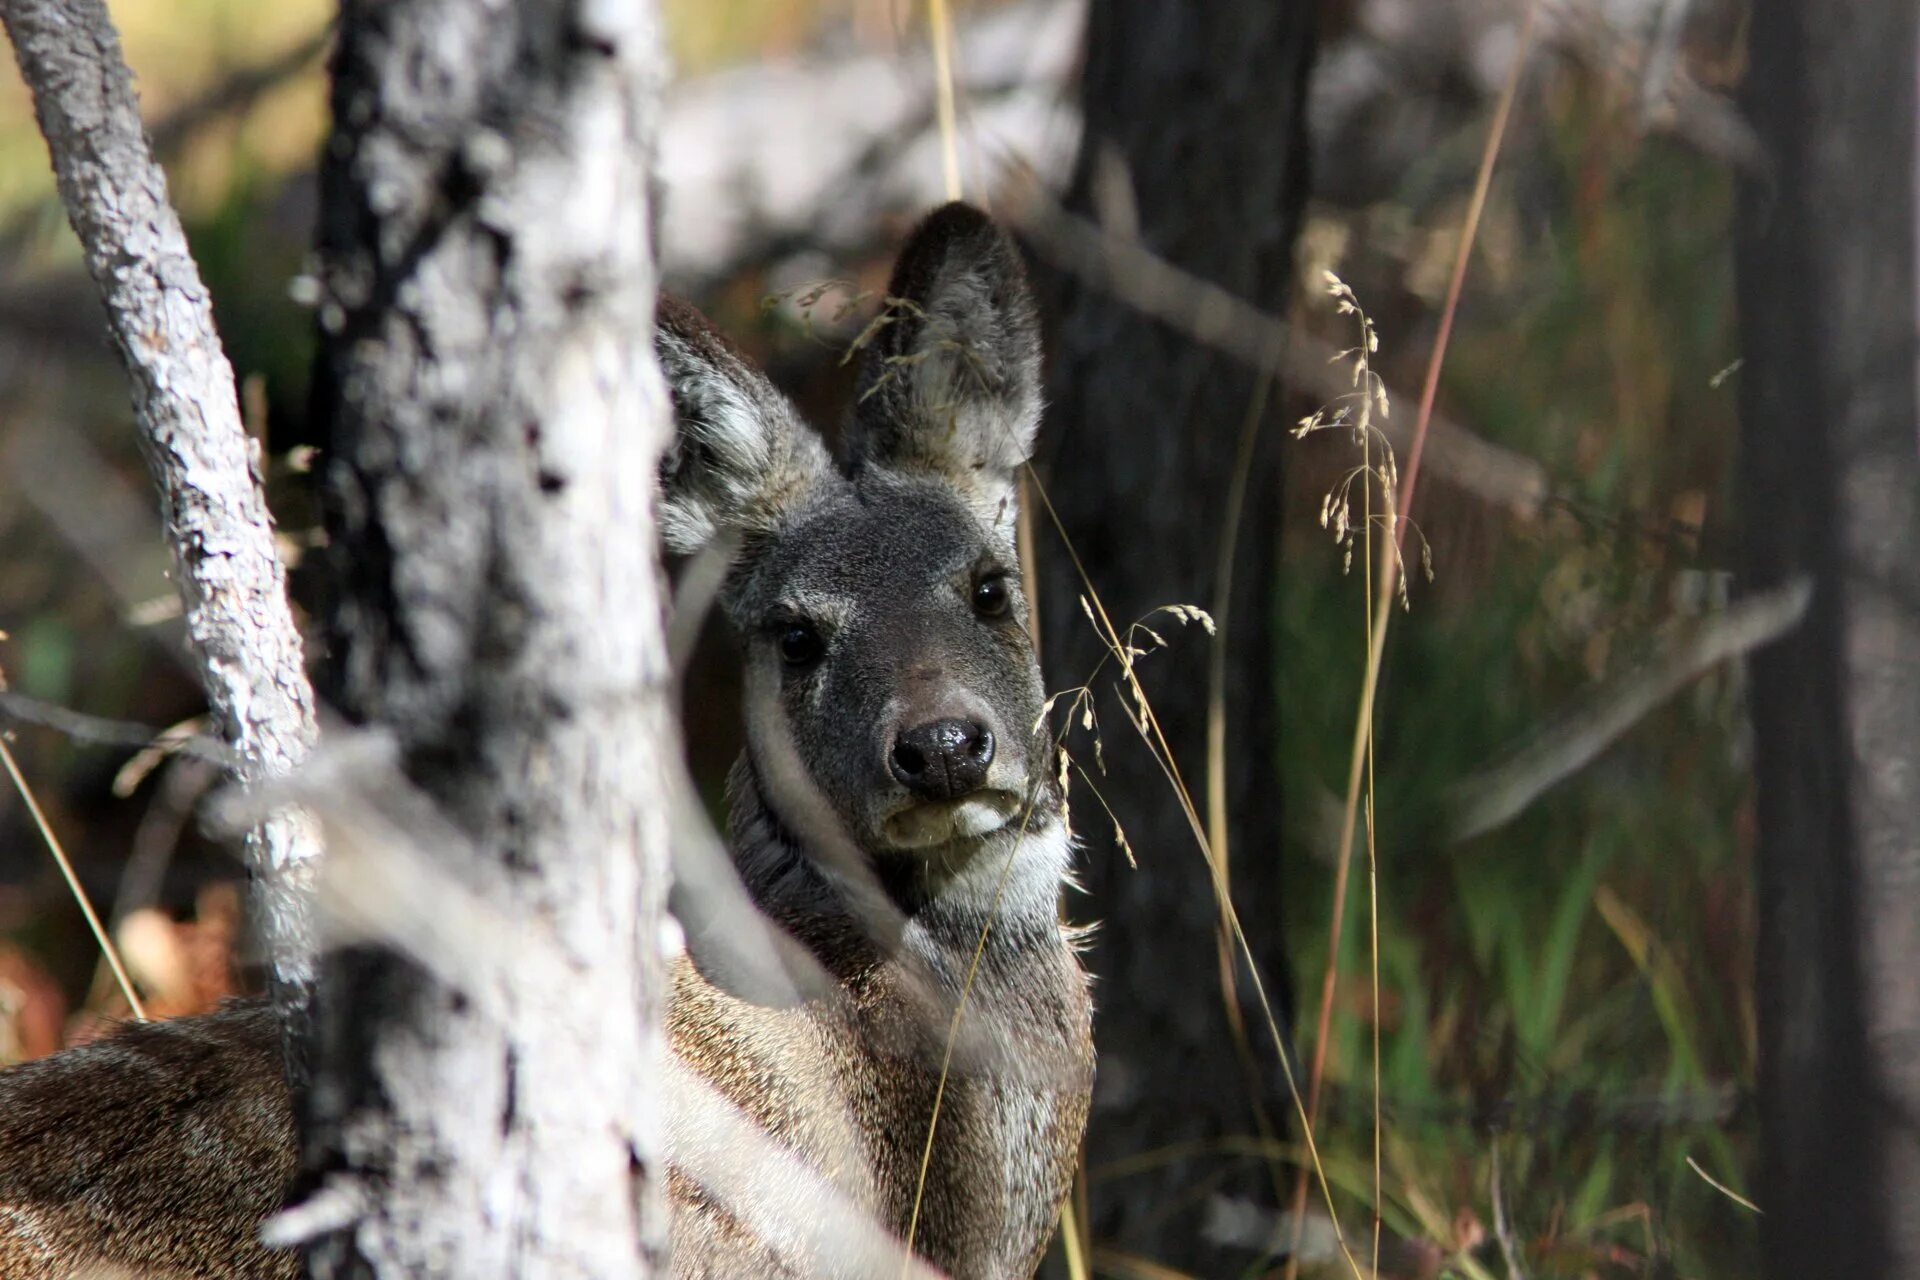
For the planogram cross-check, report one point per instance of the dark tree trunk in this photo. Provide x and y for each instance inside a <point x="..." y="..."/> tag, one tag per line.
<point x="1830" y="484"/>
<point x="480" y="1105"/>
<point x="1202" y="107"/>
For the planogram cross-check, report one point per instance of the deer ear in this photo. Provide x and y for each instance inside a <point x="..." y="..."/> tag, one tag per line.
<point x="950" y="383"/>
<point x="741" y="456"/>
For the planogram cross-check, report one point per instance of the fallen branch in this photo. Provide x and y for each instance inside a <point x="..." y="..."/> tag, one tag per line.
<point x="1499" y="793"/>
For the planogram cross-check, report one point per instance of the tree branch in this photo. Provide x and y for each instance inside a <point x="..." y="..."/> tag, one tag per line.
<point x="233" y="96"/>
<point x="1217" y="318"/>
<point x="1499" y="793"/>
<point x="206" y="468"/>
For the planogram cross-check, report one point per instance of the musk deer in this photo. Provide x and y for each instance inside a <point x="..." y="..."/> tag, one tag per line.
<point x="894" y="798"/>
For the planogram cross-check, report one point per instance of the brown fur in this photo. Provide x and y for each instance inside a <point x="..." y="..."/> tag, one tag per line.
<point x="159" y="1151"/>
<point x="850" y="1086"/>
<point x="156" y="1151"/>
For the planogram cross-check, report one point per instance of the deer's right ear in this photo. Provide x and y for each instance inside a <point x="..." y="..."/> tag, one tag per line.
<point x="740" y="455"/>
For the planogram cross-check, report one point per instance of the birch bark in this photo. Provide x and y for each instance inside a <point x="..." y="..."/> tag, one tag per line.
<point x="493" y="417"/>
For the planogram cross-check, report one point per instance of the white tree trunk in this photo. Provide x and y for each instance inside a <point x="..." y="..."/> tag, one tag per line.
<point x="205" y="466"/>
<point x="495" y="416"/>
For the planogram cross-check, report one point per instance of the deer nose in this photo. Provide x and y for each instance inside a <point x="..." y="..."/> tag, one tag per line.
<point x="943" y="759"/>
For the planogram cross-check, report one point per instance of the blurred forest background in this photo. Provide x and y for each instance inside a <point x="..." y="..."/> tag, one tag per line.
<point x="1567" y="993"/>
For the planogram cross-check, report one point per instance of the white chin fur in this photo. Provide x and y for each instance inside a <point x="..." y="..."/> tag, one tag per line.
<point x="926" y="825"/>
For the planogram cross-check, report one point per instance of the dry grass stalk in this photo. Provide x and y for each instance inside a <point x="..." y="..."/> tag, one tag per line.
<point x="1390" y="578"/>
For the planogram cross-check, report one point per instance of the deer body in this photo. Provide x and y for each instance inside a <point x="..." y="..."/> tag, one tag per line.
<point x="853" y="1084"/>
<point x="895" y="824"/>
<point x="154" y="1153"/>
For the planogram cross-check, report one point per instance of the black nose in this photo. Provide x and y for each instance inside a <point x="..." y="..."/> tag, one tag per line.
<point x="943" y="759"/>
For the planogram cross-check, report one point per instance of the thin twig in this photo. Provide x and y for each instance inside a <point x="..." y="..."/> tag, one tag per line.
<point x="73" y="882"/>
<point x="104" y="731"/>
<point x="1502" y="1225"/>
<point x="1722" y="1187"/>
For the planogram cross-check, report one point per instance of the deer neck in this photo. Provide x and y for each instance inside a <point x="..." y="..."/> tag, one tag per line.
<point x="856" y="1067"/>
<point x="935" y="904"/>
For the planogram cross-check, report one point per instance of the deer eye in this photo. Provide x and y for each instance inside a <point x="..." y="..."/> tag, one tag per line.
<point x="800" y="644"/>
<point x="992" y="597"/>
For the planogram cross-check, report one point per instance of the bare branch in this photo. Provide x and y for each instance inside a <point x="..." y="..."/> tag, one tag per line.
<point x="234" y="95"/>
<point x="1500" y="792"/>
<point x="1214" y="317"/>
<point x="220" y="532"/>
<point x="104" y="731"/>
<point x="813" y="155"/>
<point x="1456" y="453"/>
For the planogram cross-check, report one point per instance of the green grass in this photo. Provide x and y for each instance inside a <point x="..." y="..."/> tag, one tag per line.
<point x="1576" y="986"/>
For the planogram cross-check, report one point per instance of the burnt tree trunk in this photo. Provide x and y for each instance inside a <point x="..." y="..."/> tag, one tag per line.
<point x="1202" y="107"/>
<point x="481" y="1097"/>
<point x="1830" y="485"/>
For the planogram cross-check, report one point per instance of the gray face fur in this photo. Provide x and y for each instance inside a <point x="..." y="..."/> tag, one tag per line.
<point x="881" y="597"/>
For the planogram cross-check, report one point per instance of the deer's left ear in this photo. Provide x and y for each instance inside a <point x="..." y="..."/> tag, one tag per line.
<point x="950" y="383"/>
